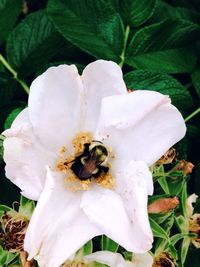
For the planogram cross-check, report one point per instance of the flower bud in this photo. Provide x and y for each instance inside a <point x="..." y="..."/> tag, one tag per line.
<point x="185" y="167"/>
<point x="163" y="205"/>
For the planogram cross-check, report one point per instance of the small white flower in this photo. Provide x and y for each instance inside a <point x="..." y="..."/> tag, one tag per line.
<point x="111" y="259"/>
<point x="116" y="260"/>
<point x="132" y="131"/>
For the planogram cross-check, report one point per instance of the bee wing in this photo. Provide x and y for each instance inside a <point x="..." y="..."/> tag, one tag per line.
<point x="87" y="170"/>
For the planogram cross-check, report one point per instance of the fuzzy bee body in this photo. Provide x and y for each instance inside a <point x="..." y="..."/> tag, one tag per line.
<point x="92" y="162"/>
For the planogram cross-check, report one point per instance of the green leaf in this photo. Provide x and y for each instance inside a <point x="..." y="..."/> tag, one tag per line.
<point x="196" y="80"/>
<point x="184" y="249"/>
<point x="8" y="87"/>
<point x="11" y="117"/>
<point x="87" y="248"/>
<point x="160" y="217"/>
<point x="183" y="199"/>
<point x="164" y="185"/>
<point x="32" y="43"/>
<point x="167" y="11"/>
<point x="6" y="257"/>
<point x="26" y="207"/>
<point x="135" y="12"/>
<point x="108" y="244"/>
<point x="164" y="47"/>
<point x="158" y="231"/>
<point x="93" y="26"/>
<point x="175" y="238"/>
<point x="9" y="11"/>
<point x="128" y="256"/>
<point x="175" y="186"/>
<point x="160" y="82"/>
<point x="182" y="223"/>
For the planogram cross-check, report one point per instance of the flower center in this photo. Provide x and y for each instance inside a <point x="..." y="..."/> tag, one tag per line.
<point x="92" y="163"/>
<point x="164" y="260"/>
<point x="88" y="163"/>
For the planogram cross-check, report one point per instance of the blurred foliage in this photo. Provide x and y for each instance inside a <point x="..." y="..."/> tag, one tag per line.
<point x="157" y="44"/>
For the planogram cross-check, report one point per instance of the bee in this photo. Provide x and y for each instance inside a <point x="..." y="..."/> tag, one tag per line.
<point x="92" y="162"/>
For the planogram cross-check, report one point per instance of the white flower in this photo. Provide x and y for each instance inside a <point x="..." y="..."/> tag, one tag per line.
<point x="135" y="129"/>
<point x="116" y="260"/>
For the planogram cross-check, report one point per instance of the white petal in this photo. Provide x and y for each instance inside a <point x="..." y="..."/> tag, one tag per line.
<point x="134" y="183"/>
<point x="54" y="106"/>
<point x="100" y="79"/>
<point x="189" y="204"/>
<point x="58" y="227"/>
<point x="109" y="258"/>
<point x="145" y="122"/>
<point x="142" y="260"/>
<point x="106" y="209"/>
<point x="25" y="158"/>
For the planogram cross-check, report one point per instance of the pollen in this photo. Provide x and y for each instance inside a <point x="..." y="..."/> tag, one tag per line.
<point x="80" y="140"/>
<point x="106" y="181"/>
<point x="73" y="183"/>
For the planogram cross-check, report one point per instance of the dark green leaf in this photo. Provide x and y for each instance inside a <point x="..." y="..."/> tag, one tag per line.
<point x="196" y="80"/>
<point x="108" y="244"/>
<point x="160" y="82"/>
<point x="11" y="117"/>
<point x="164" y="47"/>
<point x="8" y="87"/>
<point x="167" y="11"/>
<point x="9" y="11"/>
<point x="93" y="26"/>
<point x="33" y="43"/>
<point x="135" y="12"/>
<point x="6" y="109"/>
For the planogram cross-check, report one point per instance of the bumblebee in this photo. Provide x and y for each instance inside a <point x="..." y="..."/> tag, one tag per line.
<point x="92" y="162"/>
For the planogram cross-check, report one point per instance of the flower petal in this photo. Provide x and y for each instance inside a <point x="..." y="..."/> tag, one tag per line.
<point x="142" y="260"/>
<point x="145" y="119"/>
<point x="21" y="154"/>
<point x="58" y="227"/>
<point x="54" y="106"/>
<point x="100" y="79"/>
<point x="109" y="258"/>
<point x="133" y="183"/>
<point x="106" y="210"/>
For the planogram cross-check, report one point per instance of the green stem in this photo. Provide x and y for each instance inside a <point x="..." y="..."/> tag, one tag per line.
<point x="14" y="73"/>
<point x="124" y="49"/>
<point x="192" y="115"/>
